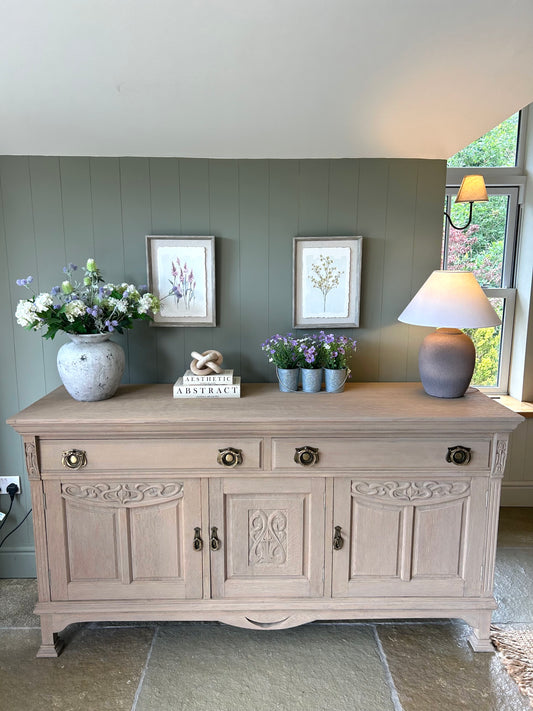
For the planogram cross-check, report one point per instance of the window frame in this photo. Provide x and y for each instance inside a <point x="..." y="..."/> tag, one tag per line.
<point x="511" y="181"/>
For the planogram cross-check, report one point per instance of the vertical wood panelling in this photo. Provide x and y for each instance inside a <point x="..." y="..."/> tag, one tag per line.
<point x="137" y="223"/>
<point x="283" y="222"/>
<point x="397" y="268"/>
<point x="224" y="212"/>
<point x="254" y="257"/>
<point x="65" y="210"/>
<point x="49" y="242"/>
<point x="372" y="195"/>
<point x="166" y="220"/>
<point x="194" y="192"/>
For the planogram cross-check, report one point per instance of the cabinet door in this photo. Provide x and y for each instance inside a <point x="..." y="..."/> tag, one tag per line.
<point x="407" y="537"/>
<point x="271" y="534"/>
<point x="123" y="539"/>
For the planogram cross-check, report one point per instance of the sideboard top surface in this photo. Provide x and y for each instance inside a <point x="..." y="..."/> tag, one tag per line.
<point x="144" y="409"/>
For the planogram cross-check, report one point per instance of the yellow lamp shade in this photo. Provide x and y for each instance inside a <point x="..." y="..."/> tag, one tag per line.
<point x="472" y="189"/>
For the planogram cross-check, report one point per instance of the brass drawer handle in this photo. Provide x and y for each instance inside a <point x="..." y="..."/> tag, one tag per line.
<point x="229" y="457"/>
<point x="214" y="542"/>
<point x="74" y="459"/>
<point x="306" y="456"/>
<point x="338" y="540"/>
<point x="459" y="455"/>
<point x="197" y="543"/>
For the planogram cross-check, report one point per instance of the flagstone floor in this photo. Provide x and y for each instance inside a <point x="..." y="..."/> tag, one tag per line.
<point x="402" y="666"/>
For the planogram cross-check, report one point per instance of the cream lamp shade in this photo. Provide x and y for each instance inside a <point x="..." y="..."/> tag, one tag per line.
<point x="449" y="301"/>
<point x="472" y="189"/>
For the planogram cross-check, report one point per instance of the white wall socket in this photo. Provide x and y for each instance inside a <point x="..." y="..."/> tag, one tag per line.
<point x="5" y="481"/>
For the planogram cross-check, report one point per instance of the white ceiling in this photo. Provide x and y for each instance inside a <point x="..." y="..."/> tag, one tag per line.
<point x="260" y="78"/>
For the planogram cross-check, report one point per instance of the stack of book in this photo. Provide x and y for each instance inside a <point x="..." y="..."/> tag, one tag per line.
<point x="223" y="384"/>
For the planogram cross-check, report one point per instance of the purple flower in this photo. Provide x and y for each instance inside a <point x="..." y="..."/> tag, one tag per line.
<point x="24" y="282"/>
<point x="110" y="325"/>
<point x="55" y="290"/>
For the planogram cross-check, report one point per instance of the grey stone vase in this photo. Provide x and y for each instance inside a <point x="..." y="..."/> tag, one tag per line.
<point x="91" y="366"/>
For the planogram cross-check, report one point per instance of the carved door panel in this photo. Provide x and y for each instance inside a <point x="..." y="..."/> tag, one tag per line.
<point x="409" y="537"/>
<point x="271" y="534"/>
<point x="123" y="540"/>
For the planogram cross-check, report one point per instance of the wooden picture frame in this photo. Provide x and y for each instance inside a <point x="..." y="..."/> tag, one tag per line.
<point x="181" y="273"/>
<point x="326" y="281"/>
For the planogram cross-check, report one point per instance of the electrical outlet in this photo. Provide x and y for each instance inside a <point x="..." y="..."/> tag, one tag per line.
<point x="5" y="481"/>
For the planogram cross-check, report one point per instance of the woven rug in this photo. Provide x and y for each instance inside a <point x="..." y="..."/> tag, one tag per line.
<point x="515" y="649"/>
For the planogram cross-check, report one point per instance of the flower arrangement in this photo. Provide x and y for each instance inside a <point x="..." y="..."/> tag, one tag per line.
<point x="335" y="351"/>
<point x="325" y="350"/>
<point x="87" y="307"/>
<point x="308" y="353"/>
<point x="283" y="351"/>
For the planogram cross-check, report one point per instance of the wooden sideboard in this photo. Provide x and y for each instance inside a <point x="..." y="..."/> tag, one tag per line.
<point x="265" y="512"/>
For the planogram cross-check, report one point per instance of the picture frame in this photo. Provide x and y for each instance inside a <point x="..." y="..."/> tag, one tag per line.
<point x="326" y="281"/>
<point x="181" y="273"/>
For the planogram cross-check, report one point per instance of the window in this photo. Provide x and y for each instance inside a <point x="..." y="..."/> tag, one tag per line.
<point x="488" y="246"/>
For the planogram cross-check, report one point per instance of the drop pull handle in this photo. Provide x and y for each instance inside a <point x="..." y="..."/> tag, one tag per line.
<point x="214" y="541"/>
<point x="338" y="540"/>
<point x="197" y="543"/>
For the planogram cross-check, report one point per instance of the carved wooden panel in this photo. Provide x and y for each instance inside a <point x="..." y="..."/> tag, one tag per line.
<point x="124" y="539"/>
<point x="402" y="537"/>
<point x="272" y="533"/>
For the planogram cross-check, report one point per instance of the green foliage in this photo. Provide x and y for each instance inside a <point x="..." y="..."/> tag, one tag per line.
<point x="495" y="149"/>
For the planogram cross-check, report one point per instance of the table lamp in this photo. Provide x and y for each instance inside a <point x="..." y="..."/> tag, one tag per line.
<point x="448" y="301"/>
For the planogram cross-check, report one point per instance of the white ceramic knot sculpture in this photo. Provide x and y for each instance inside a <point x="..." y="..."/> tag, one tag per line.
<point x="206" y="363"/>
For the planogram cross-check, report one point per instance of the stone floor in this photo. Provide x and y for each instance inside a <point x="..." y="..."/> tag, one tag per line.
<point x="409" y="666"/>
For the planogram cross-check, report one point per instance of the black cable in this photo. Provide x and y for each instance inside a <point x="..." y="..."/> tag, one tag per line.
<point x="13" y="531"/>
<point x="7" y="514"/>
<point x="12" y="490"/>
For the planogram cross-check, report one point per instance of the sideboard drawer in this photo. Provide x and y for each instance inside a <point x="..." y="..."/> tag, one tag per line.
<point x="151" y="454"/>
<point x="347" y="453"/>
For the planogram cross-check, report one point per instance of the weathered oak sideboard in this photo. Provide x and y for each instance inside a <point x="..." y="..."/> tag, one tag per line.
<point x="265" y="512"/>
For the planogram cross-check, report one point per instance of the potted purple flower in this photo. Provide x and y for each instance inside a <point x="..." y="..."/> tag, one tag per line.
<point x="283" y="352"/>
<point x="334" y="354"/>
<point x="310" y="365"/>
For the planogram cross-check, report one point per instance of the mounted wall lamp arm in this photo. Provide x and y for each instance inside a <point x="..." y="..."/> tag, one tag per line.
<point x="472" y="190"/>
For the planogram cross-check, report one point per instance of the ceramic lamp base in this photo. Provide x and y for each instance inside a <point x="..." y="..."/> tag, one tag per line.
<point x="446" y="362"/>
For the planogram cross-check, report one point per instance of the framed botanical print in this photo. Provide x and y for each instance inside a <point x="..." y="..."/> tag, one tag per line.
<point x="326" y="281"/>
<point x="181" y="273"/>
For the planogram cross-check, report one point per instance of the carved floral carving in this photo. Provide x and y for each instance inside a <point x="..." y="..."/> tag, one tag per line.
<point x="123" y="494"/>
<point x="411" y="490"/>
<point x="501" y="457"/>
<point x="32" y="463"/>
<point x="267" y="537"/>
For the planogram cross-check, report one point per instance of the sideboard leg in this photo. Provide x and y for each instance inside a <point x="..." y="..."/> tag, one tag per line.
<point x="480" y="638"/>
<point x="52" y="644"/>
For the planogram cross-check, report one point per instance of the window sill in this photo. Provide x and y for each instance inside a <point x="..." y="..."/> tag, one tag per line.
<point x="522" y="408"/>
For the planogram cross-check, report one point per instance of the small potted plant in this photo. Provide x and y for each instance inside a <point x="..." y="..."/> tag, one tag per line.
<point x="88" y="311"/>
<point x="283" y="351"/>
<point x="310" y="365"/>
<point x="334" y="354"/>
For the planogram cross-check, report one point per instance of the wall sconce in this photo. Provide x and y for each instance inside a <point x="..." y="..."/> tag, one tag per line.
<point x="449" y="301"/>
<point x="472" y="190"/>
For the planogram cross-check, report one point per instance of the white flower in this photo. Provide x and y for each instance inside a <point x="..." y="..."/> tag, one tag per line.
<point x="43" y="302"/>
<point x="122" y="306"/>
<point x="25" y="313"/>
<point x="147" y="303"/>
<point x="74" y="309"/>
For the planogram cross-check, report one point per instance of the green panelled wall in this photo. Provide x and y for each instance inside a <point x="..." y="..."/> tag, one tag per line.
<point x="60" y="210"/>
